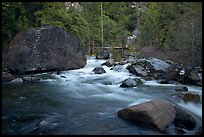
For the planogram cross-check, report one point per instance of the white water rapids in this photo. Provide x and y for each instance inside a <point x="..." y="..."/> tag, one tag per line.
<point x="83" y="102"/>
<point x="87" y="79"/>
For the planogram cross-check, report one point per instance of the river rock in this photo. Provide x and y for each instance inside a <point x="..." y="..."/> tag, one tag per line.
<point x="118" y="68"/>
<point x="191" y="97"/>
<point x="173" y="73"/>
<point x="138" y="81"/>
<point x="103" y="55"/>
<point x="164" y="81"/>
<point x="137" y="70"/>
<point x="44" y="49"/>
<point x="99" y="70"/>
<point x="184" y="119"/>
<point x="17" y="80"/>
<point x="194" y="78"/>
<point x="109" y="63"/>
<point x="156" y="65"/>
<point x="31" y="79"/>
<point x="6" y="77"/>
<point x="180" y="89"/>
<point x="129" y="82"/>
<point x="159" y="113"/>
<point x="179" y="131"/>
<point x="199" y="131"/>
<point x="63" y="76"/>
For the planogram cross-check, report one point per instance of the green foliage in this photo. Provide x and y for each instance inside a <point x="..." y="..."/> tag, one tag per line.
<point x="168" y="24"/>
<point x="53" y="13"/>
<point x="10" y="12"/>
<point x="165" y="25"/>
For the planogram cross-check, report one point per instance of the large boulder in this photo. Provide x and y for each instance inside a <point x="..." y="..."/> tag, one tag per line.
<point x="44" y="49"/>
<point x="137" y="70"/>
<point x="184" y="75"/>
<point x="156" y="65"/>
<point x="158" y="113"/>
<point x="99" y="70"/>
<point x="173" y="73"/>
<point x="193" y="78"/>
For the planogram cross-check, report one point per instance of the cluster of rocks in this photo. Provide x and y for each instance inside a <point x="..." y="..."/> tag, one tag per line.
<point x="159" y="113"/>
<point x="153" y="68"/>
<point x="165" y="72"/>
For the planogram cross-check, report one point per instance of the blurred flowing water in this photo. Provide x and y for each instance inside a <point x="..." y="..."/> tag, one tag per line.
<point x="84" y="103"/>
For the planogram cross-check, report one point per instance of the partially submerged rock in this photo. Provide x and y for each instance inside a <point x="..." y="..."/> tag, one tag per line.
<point x="137" y="70"/>
<point x="109" y="63"/>
<point x="190" y="97"/>
<point x="31" y="79"/>
<point x="156" y="65"/>
<point x="17" y="80"/>
<point x="180" y="89"/>
<point x="184" y="119"/>
<point x="99" y="70"/>
<point x="158" y="113"/>
<point x="6" y="77"/>
<point x="129" y="82"/>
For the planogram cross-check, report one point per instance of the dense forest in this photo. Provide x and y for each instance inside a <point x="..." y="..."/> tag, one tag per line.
<point x="165" y="26"/>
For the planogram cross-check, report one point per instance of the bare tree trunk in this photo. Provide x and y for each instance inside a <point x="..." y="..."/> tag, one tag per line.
<point x="193" y="40"/>
<point x="89" y="46"/>
<point x="102" y="25"/>
<point x="93" y="47"/>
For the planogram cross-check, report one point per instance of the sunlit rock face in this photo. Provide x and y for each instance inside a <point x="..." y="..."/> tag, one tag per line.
<point x="44" y="49"/>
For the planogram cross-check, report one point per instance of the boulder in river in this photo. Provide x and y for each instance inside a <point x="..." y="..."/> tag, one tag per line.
<point x="109" y="63"/>
<point x="17" y="80"/>
<point x="118" y="68"/>
<point x="6" y="77"/>
<point x="159" y="113"/>
<point x="129" y="82"/>
<point x="31" y="79"/>
<point x="156" y="65"/>
<point x="194" y="78"/>
<point x="99" y="70"/>
<point x="184" y="119"/>
<point x="44" y="49"/>
<point x="137" y="70"/>
<point x="180" y="89"/>
<point x="190" y="97"/>
<point x="173" y="73"/>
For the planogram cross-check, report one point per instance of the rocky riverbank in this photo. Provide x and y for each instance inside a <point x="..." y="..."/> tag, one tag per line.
<point x="156" y="112"/>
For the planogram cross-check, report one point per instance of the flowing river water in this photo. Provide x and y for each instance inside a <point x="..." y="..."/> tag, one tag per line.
<point x="84" y="103"/>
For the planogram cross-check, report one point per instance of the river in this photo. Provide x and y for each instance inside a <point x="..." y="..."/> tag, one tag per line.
<point x="84" y="103"/>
